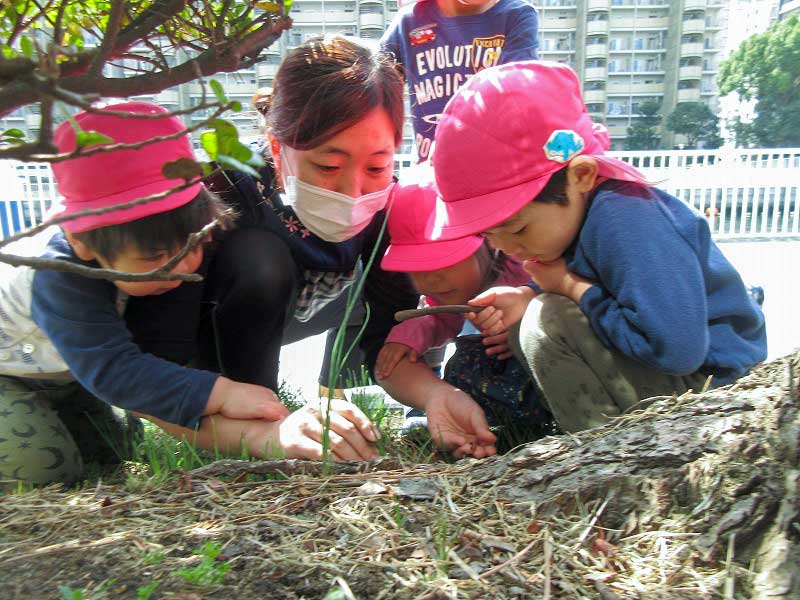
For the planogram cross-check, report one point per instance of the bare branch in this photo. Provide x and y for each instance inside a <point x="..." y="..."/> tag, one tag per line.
<point x="91" y="212"/>
<point x="148" y="21"/>
<point x="18" y="152"/>
<point x="55" y="264"/>
<point x="57" y="25"/>
<point x="162" y="273"/>
<point x="109" y="43"/>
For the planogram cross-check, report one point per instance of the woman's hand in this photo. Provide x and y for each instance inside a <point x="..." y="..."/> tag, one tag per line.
<point x="391" y="354"/>
<point x="457" y="423"/>
<point x="300" y="435"/>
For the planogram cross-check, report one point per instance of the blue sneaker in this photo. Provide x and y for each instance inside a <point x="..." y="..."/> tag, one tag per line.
<point x="414" y="419"/>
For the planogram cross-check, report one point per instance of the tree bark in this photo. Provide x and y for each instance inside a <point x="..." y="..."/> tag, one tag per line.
<point x="723" y="463"/>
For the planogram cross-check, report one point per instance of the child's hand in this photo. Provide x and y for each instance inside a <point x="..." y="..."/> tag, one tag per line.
<point x="510" y="302"/>
<point x="390" y="355"/>
<point x="457" y="423"/>
<point x="300" y="435"/>
<point x="237" y="400"/>
<point x="556" y="278"/>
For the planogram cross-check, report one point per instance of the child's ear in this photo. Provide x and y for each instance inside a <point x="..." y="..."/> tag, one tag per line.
<point x="80" y="249"/>
<point x="582" y="173"/>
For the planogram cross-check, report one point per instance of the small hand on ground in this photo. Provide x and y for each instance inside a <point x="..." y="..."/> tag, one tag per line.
<point x="457" y="423"/>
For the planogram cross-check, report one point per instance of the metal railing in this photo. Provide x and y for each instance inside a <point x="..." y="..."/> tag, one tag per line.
<point x="745" y="194"/>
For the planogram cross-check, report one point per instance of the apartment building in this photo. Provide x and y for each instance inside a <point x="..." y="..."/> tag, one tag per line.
<point x="788" y="8"/>
<point x="626" y="52"/>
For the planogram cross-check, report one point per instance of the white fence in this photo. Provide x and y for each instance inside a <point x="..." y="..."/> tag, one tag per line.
<point x="745" y="194"/>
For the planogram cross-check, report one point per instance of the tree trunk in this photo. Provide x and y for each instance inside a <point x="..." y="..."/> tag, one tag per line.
<point x="724" y="464"/>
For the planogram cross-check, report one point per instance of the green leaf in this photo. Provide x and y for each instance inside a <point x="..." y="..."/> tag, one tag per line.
<point x="84" y="139"/>
<point x="287" y="6"/>
<point x="219" y="93"/>
<point x="231" y="163"/>
<point x="208" y="139"/>
<point x="236" y="106"/>
<point x="13" y="133"/>
<point x="26" y="45"/>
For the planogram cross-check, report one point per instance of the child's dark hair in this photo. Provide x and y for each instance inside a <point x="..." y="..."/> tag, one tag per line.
<point x="165" y="231"/>
<point x="327" y="85"/>
<point x="555" y="192"/>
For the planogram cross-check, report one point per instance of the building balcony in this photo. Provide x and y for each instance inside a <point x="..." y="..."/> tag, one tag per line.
<point x="694" y="26"/>
<point x="692" y="49"/>
<point x="596" y="51"/>
<point x="690" y="72"/>
<point x="168" y="97"/>
<point x="618" y="129"/>
<point x="647" y="88"/>
<point x="328" y="17"/>
<point x="596" y="27"/>
<point x="267" y="69"/>
<point x="33" y="121"/>
<point x="652" y="22"/>
<point x="371" y="20"/>
<point x="689" y="95"/>
<point x="594" y="96"/>
<point x="592" y="5"/>
<point x="551" y="24"/>
<point x="694" y="5"/>
<point x="618" y="22"/>
<point x="594" y="73"/>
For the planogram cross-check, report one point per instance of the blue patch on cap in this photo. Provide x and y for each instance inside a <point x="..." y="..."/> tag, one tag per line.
<point x="563" y="145"/>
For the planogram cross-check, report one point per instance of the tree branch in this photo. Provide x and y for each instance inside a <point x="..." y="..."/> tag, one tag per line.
<point x="109" y="44"/>
<point x="15" y="152"/>
<point x="151" y="19"/>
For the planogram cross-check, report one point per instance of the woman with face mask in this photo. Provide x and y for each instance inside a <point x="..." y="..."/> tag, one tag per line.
<point x="334" y="119"/>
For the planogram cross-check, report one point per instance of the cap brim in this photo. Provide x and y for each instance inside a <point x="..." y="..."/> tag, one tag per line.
<point x="125" y="215"/>
<point x="614" y="168"/>
<point x="429" y="256"/>
<point x="472" y="216"/>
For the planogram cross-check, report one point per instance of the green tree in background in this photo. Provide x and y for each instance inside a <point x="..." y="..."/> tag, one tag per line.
<point x="696" y="121"/>
<point x="643" y="134"/>
<point x="766" y="68"/>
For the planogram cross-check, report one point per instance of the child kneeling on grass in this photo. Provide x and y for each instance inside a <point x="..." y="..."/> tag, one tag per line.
<point x="68" y="360"/>
<point x="630" y="298"/>
<point x="449" y="273"/>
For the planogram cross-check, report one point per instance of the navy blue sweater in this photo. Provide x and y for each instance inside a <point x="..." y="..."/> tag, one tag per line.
<point x="664" y="294"/>
<point x="80" y="317"/>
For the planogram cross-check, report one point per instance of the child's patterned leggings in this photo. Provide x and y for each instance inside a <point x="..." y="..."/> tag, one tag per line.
<point x="583" y="382"/>
<point x="49" y="431"/>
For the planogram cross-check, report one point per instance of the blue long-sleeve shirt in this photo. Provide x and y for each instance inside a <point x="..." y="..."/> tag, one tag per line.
<point x="79" y="316"/>
<point x="663" y="292"/>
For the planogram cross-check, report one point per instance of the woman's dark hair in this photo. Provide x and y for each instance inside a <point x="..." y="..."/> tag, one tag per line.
<point x="165" y="231"/>
<point x="555" y="192"/>
<point x="327" y="85"/>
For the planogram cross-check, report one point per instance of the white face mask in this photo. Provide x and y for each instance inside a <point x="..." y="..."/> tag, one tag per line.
<point x="331" y="216"/>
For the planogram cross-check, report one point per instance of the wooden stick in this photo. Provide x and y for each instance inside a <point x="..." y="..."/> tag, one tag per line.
<point x="403" y="315"/>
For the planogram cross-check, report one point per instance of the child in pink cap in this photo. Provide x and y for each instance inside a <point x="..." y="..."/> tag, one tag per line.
<point x="629" y="297"/>
<point x="76" y="353"/>
<point x="453" y="272"/>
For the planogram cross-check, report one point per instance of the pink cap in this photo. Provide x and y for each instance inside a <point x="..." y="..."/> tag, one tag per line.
<point x="412" y="207"/>
<point x="502" y="136"/>
<point x="110" y="178"/>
